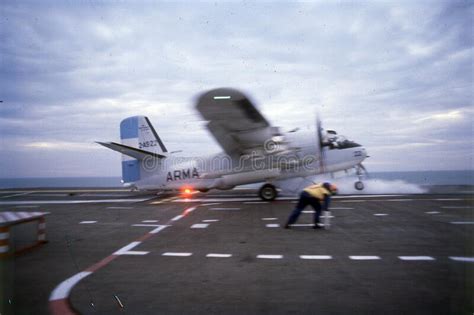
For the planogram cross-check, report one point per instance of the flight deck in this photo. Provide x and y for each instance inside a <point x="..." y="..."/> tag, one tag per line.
<point x="113" y="251"/>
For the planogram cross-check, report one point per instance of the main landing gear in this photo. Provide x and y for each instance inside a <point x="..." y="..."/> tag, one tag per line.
<point x="268" y="192"/>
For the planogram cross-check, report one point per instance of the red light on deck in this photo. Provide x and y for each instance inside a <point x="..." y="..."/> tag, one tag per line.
<point x="186" y="191"/>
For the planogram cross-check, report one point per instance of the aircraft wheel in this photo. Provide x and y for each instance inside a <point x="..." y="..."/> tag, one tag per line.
<point x="359" y="185"/>
<point x="268" y="192"/>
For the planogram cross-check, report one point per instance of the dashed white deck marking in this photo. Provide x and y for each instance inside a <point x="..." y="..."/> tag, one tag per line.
<point x="199" y="226"/>
<point x="380" y="214"/>
<point x="269" y="219"/>
<point x="174" y="254"/>
<point x="302" y="224"/>
<point x="210" y="220"/>
<point x="272" y="225"/>
<point x="432" y="212"/>
<point x="316" y="257"/>
<point x="308" y="211"/>
<point x="464" y="259"/>
<point x="416" y="258"/>
<point x="150" y="221"/>
<point x="219" y="255"/>
<point x="364" y="257"/>
<point x="270" y="256"/>
<point x="63" y="289"/>
<point x="462" y="222"/>
<point x="87" y="222"/>
<point x="224" y="209"/>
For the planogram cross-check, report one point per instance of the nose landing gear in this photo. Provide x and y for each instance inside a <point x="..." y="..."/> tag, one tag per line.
<point x="360" y="172"/>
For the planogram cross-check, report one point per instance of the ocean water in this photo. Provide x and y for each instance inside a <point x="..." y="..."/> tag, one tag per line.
<point x="418" y="178"/>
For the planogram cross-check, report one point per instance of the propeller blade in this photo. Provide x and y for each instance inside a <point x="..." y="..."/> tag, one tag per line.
<point x="319" y="134"/>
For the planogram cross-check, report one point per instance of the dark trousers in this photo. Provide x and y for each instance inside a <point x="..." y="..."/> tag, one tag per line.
<point x="306" y="199"/>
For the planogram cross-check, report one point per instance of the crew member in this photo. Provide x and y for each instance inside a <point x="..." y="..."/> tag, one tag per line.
<point x="318" y="196"/>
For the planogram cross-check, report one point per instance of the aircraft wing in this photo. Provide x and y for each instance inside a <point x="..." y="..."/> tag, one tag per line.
<point x="234" y="122"/>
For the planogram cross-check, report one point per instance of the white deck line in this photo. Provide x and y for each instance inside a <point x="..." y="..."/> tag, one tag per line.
<point x="134" y="252"/>
<point x="149" y="221"/>
<point x="65" y="202"/>
<point x="87" y="222"/>
<point x="416" y="258"/>
<point x="352" y="200"/>
<point x="464" y="259"/>
<point x="178" y="217"/>
<point x="210" y="220"/>
<point x="269" y="219"/>
<point x="63" y="289"/>
<point x="316" y="257"/>
<point x="199" y="226"/>
<point x="380" y="214"/>
<point x="174" y="254"/>
<point x="273" y="225"/>
<point x="212" y="255"/>
<point x="270" y="256"/>
<point x="158" y="229"/>
<point x="364" y="257"/>
<point x="126" y="248"/>
<point x="432" y="212"/>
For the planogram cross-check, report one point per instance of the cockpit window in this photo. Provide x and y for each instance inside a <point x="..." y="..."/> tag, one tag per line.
<point x="341" y="142"/>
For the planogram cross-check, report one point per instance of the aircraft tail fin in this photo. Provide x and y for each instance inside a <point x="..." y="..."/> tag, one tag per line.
<point x="139" y="142"/>
<point x="137" y="132"/>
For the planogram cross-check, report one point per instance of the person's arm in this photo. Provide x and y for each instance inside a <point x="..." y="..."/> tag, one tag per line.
<point x="327" y="202"/>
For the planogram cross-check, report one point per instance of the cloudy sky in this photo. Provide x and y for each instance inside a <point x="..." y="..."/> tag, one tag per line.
<point x="396" y="76"/>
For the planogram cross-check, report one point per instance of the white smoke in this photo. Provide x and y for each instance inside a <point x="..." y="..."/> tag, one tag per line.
<point x="346" y="185"/>
<point x="378" y="186"/>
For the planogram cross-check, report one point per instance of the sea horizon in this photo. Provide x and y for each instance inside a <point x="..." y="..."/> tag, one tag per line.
<point x="459" y="177"/>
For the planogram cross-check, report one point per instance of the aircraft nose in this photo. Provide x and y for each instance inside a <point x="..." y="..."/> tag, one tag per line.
<point x="364" y="153"/>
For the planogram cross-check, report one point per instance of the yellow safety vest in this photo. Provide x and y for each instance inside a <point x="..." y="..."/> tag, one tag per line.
<point x="317" y="191"/>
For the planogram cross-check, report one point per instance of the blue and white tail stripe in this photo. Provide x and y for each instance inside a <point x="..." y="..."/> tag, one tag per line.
<point x="137" y="132"/>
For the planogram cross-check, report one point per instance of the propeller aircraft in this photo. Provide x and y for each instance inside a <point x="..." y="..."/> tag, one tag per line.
<point x="253" y="151"/>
